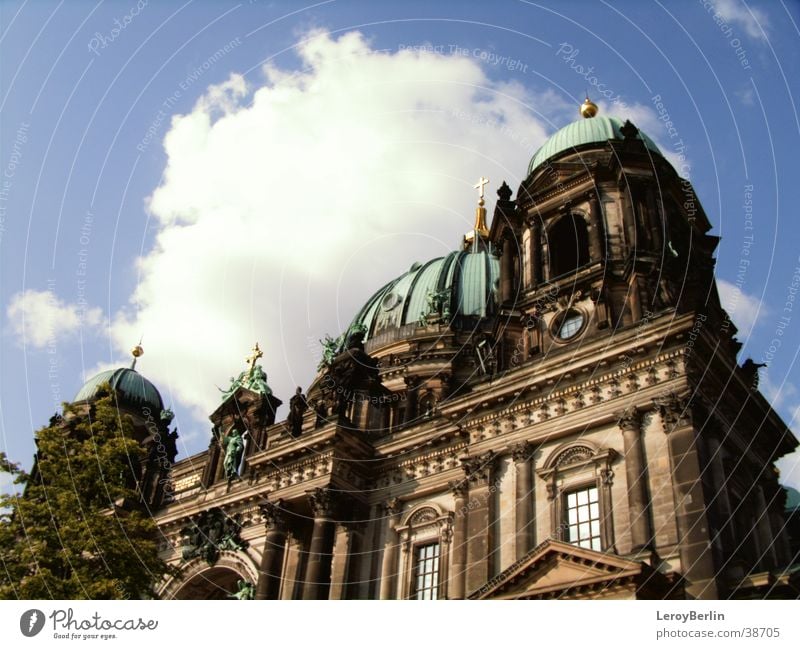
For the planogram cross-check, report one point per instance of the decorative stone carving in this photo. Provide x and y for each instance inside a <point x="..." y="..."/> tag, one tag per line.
<point x="522" y="452"/>
<point x="479" y="468"/>
<point x="209" y="533"/>
<point x="322" y="501"/>
<point x="393" y="506"/>
<point x="629" y="419"/>
<point x="574" y="455"/>
<point x="422" y="516"/>
<point x="674" y="411"/>
<point x="459" y="488"/>
<point x="273" y="514"/>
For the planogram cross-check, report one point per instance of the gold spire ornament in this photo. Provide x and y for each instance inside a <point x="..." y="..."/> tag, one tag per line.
<point x="136" y="352"/>
<point x="251" y="360"/>
<point x="480" y="211"/>
<point x="588" y="108"/>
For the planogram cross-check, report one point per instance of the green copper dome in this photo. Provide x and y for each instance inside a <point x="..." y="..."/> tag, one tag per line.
<point x="595" y="130"/>
<point x="462" y="286"/>
<point x="131" y="386"/>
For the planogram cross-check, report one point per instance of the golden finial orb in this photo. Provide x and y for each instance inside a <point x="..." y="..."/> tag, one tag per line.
<point x="137" y="351"/>
<point x="588" y="108"/>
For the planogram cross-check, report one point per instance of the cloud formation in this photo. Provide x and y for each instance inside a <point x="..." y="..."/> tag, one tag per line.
<point x="40" y="318"/>
<point x="753" y="21"/>
<point x="744" y="309"/>
<point x="288" y="200"/>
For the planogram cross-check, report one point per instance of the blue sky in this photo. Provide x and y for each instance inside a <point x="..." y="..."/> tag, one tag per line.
<point x="209" y="174"/>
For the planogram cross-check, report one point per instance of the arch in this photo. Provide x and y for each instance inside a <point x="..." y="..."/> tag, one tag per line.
<point x="568" y="244"/>
<point x="569" y="451"/>
<point x="421" y="514"/>
<point x="198" y="580"/>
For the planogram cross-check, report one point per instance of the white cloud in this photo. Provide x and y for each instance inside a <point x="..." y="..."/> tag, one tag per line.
<point x="284" y="206"/>
<point x="41" y="318"/>
<point x="744" y="309"/>
<point x="752" y="20"/>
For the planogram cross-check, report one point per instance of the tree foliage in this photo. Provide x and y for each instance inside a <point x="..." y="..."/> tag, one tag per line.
<point x="75" y="529"/>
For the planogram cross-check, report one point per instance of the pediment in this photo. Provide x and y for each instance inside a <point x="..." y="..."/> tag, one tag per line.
<point x="555" y="568"/>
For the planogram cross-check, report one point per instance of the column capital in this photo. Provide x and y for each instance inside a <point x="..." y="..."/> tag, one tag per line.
<point x="674" y="410"/>
<point x="459" y="488"/>
<point x="479" y="468"/>
<point x="393" y="506"/>
<point x="629" y="419"/>
<point x="274" y="515"/>
<point x="322" y="501"/>
<point x="522" y="452"/>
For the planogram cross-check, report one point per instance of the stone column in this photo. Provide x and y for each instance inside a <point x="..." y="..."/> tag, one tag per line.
<point x="769" y="555"/>
<point x="480" y="520"/>
<point x="341" y="572"/>
<point x="392" y="508"/>
<point x="523" y="510"/>
<point x="412" y="397"/>
<point x="720" y="486"/>
<point x="697" y="563"/>
<point x="507" y="271"/>
<point x="458" y="573"/>
<point x="595" y="228"/>
<point x="294" y="566"/>
<point x="269" y="578"/>
<point x="536" y="251"/>
<point x="630" y="423"/>
<point x="320" y="551"/>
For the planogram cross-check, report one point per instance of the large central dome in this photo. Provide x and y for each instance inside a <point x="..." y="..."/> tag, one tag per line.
<point x="583" y="133"/>
<point x="462" y="284"/>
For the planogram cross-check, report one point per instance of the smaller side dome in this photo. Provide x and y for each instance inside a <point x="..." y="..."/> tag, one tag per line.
<point x="131" y="387"/>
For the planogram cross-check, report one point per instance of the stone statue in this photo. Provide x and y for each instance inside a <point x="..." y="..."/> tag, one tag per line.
<point x="329" y="348"/>
<point x="171" y="445"/>
<point x="322" y="414"/>
<point x="236" y="383"/>
<point x="209" y="533"/>
<point x="257" y="381"/>
<point x="297" y="407"/>
<point x="233" y="444"/>
<point x="246" y="590"/>
<point x="750" y="370"/>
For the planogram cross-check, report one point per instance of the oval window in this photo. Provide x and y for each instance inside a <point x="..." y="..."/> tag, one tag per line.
<point x="568" y="324"/>
<point x="390" y="301"/>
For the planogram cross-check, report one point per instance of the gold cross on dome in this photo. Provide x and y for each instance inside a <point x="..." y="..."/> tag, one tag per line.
<point x="251" y="360"/>
<point x="479" y="186"/>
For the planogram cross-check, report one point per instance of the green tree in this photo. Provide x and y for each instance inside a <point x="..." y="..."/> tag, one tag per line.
<point x="76" y="530"/>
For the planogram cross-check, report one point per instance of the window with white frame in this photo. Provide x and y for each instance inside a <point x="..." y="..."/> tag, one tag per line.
<point x="426" y="571"/>
<point x="582" y="518"/>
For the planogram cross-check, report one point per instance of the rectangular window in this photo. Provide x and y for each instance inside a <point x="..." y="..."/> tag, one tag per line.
<point x="426" y="571"/>
<point x="583" y="518"/>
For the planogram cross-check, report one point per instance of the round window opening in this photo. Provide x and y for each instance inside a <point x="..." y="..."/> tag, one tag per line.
<point x="390" y="301"/>
<point x="568" y="324"/>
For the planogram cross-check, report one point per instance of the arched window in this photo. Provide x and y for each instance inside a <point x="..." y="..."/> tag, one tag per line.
<point x="568" y="243"/>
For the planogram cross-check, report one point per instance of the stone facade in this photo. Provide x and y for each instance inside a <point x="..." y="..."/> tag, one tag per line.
<point x="593" y="437"/>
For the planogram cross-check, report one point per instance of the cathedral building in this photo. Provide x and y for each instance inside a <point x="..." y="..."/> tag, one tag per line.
<point x="552" y="410"/>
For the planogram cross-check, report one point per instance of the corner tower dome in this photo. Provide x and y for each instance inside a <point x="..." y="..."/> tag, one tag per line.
<point x="131" y="387"/>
